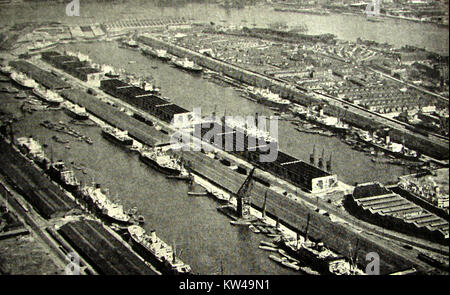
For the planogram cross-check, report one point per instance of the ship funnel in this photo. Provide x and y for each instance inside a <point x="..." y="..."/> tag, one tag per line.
<point x="312" y="156"/>
<point x="329" y="163"/>
<point x="321" y="159"/>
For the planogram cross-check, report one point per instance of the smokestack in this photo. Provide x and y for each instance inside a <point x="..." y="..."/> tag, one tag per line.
<point x="312" y="156"/>
<point x="321" y="159"/>
<point x="329" y="163"/>
<point x="388" y="139"/>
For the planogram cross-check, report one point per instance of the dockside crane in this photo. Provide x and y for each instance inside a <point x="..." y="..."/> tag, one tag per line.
<point x="243" y="197"/>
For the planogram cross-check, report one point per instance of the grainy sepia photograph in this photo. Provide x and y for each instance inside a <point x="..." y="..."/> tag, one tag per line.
<point x="224" y="137"/>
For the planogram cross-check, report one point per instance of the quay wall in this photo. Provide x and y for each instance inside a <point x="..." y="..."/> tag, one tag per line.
<point x="415" y="141"/>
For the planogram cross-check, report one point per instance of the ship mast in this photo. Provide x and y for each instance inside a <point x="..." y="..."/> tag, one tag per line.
<point x="243" y="197"/>
<point x="264" y="206"/>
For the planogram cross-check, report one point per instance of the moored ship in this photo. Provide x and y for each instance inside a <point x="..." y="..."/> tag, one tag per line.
<point x="328" y="122"/>
<point x="97" y="200"/>
<point x="268" y="98"/>
<point x="163" y="162"/>
<point x="385" y="145"/>
<point x="187" y="65"/>
<point x="117" y="136"/>
<point x="34" y="151"/>
<point x="77" y="112"/>
<point x="157" y="252"/>
<point x="64" y="176"/>
<point x="48" y="96"/>
<point x="158" y="53"/>
<point x="23" y="80"/>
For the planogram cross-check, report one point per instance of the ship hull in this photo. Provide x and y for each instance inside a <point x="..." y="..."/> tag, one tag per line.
<point x="335" y="129"/>
<point x="188" y="69"/>
<point x="389" y="152"/>
<point x="125" y="142"/>
<point x="151" y="258"/>
<point x="77" y="116"/>
<point x="154" y="164"/>
<point x="20" y="83"/>
<point x="308" y="258"/>
<point x="273" y="104"/>
<point x="99" y="211"/>
<point x="55" y="175"/>
<point x="155" y="55"/>
<point x="46" y="100"/>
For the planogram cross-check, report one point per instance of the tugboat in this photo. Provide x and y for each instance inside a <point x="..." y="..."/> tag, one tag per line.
<point x="48" y="96"/>
<point x="161" y="161"/>
<point x="77" y="112"/>
<point x="187" y="65"/>
<point x="117" y="136"/>
<point x="23" y="80"/>
<point x="64" y="176"/>
<point x="130" y="43"/>
<point x="97" y="200"/>
<point x="157" y="252"/>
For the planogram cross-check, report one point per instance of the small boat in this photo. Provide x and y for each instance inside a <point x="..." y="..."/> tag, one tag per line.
<point x="275" y="258"/>
<point x="290" y="265"/>
<point x="254" y="229"/>
<point x="269" y="244"/>
<point x="197" y="193"/>
<point x="267" y="248"/>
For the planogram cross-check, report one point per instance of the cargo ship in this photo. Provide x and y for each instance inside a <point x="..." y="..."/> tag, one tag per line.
<point x="64" y="176"/>
<point x="386" y="146"/>
<point x="33" y="151"/>
<point x="157" y="252"/>
<point x="77" y="112"/>
<point x="328" y="122"/>
<point x="23" y="80"/>
<point x="187" y="65"/>
<point x="268" y="98"/>
<point x="316" y="255"/>
<point x="48" y="96"/>
<point x="117" y="136"/>
<point x="161" y="161"/>
<point x="97" y="200"/>
<point x="158" y="53"/>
